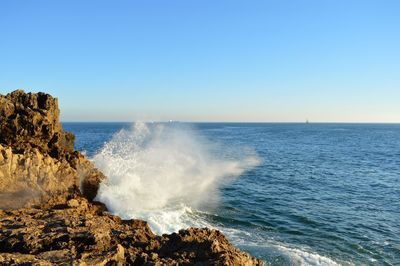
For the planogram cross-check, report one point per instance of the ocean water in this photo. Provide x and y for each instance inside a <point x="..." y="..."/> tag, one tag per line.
<point x="291" y="194"/>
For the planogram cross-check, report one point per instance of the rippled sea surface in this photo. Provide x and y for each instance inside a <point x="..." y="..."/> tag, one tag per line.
<point x="323" y="194"/>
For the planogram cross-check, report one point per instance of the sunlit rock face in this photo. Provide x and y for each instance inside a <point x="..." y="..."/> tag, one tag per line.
<point x="37" y="158"/>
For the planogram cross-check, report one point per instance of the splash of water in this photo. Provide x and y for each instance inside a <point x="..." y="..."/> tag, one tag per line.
<point x="164" y="173"/>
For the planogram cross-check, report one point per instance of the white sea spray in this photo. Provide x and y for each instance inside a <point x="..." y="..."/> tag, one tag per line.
<point x="162" y="172"/>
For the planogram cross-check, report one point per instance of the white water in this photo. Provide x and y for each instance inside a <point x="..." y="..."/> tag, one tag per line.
<point x="296" y="255"/>
<point x="164" y="173"/>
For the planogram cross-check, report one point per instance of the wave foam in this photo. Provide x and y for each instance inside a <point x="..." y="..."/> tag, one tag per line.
<point x="302" y="257"/>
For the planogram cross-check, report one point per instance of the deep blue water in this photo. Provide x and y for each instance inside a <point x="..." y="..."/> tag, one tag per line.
<point x="322" y="194"/>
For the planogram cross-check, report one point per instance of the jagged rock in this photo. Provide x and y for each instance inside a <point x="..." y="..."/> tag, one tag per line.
<point x="204" y="245"/>
<point x="47" y="213"/>
<point x="37" y="158"/>
<point x="32" y="120"/>
<point x="81" y="232"/>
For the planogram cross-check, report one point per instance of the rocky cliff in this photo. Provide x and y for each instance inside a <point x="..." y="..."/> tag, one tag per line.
<point x="47" y="213"/>
<point x="37" y="158"/>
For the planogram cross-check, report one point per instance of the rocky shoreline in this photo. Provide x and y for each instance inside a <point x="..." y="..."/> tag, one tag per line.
<point x="47" y="212"/>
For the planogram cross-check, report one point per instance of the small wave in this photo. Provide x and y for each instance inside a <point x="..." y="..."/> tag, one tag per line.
<point x="293" y="255"/>
<point x="302" y="257"/>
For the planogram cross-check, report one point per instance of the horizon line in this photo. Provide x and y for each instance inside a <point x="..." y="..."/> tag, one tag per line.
<point x="237" y="122"/>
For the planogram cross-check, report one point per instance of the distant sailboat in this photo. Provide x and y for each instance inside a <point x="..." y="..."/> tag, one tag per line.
<point x="307" y="122"/>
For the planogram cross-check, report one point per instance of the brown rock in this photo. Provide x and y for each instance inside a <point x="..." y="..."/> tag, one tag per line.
<point x="89" y="175"/>
<point x="32" y="120"/>
<point x="76" y="233"/>
<point x="32" y="177"/>
<point x="37" y="158"/>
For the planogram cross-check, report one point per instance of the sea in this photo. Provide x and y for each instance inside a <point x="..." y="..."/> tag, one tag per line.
<point x="288" y="193"/>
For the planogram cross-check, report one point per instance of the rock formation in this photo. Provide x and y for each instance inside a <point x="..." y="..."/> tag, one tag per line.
<point x="47" y="212"/>
<point x="32" y="120"/>
<point x="37" y="158"/>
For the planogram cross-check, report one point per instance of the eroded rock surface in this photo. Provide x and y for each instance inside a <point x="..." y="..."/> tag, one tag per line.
<point x="33" y="120"/>
<point x="33" y="177"/>
<point x="47" y="213"/>
<point x="81" y="232"/>
<point x="37" y="158"/>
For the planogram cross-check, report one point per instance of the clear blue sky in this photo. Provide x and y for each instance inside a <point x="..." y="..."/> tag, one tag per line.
<point x="325" y="60"/>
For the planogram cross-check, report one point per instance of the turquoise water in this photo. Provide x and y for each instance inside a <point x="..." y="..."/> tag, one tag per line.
<point x="319" y="194"/>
